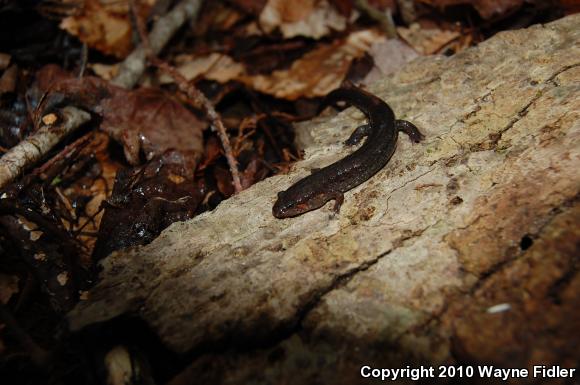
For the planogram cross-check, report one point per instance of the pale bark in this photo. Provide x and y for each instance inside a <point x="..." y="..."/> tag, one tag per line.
<point x="483" y="213"/>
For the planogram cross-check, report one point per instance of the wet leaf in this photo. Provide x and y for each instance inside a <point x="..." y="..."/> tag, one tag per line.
<point x="149" y="121"/>
<point x="145" y="201"/>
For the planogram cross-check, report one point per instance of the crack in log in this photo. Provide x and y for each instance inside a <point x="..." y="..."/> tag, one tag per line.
<point x="343" y="279"/>
<point x="550" y="217"/>
<point x="562" y="283"/>
<point x="557" y="286"/>
<point x="559" y="72"/>
<point x="524" y="111"/>
<point x="405" y="184"/>
<point x="495" y="138"/>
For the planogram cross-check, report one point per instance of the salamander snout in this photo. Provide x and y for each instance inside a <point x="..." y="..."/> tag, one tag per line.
<point x="287" y="207"/>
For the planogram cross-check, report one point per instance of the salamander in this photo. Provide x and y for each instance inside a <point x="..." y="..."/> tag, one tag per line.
<point x="331" y="182"/>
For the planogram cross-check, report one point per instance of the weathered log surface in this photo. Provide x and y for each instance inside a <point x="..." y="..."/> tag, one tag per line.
<point x="484" y="212"/>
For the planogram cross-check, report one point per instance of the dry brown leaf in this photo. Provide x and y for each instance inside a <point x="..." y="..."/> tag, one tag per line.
<point x="215" y="66"/>
<point x="570" y="6"/>
<point x="217" y="16"/>
<point x="345" y="7"/>
<point x="318" y="72"/>
<point x="27" y="225"/>
<point x="8" y="79"/>
<point x="310" y="18"/>
<point x="486" y="8"/>
<point x="99" y="190"/>
<point x="8" y="287"/>
<point x="150" y="121"/>
<point x="105" y="71"/>
<point x="4" y="60"/>
<point x="315" y="74"/>
<point x="105" y="26"/>
<point x="426" y="41"/>
<point x="250" y="6"/>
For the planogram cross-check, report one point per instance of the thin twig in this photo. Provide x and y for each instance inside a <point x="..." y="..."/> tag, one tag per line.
<point x="384" y="18"/>
<point x="195" y="95"/>
<point x="216" y="122"/>
<point x="84" y="60"/>
<point x="64" y="153"/>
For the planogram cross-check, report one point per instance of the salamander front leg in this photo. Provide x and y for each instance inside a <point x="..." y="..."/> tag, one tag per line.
<point x="338" y="201"/>
<point x="409" y="129"/>
<point x="358" y="135"/>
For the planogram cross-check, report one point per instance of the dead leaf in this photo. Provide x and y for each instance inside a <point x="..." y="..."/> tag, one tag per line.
<point x="319" y="71"/>
<point x="105" y="71"/>
<point x="4" y="60"/>
<point x="223" y="179"/>
<point x="345" y="7"/>
<point x="427" y="41"/>
<point x="143" y="120"/>
<point x="570" y="6"/>
<point x="8" y="79"/>
<point x="315" y="74"/>
<point x="27" y="225"/>
<point x="105" y="26"/>
<point x="145" y="200"/>
<point x="250" y="6"/>
<point x="486" y="8"/>
<point x="150" y="121"/>
<point x="92" y="189"/>
<point x="55" y="87"/>
<point x="8" y="287"/>
<point x="254" y="172"/>
<point x="217" y="16"/>
<point x="215" y="66"/>
<point x="310" y="18"/>
<point x="213" y="149"/>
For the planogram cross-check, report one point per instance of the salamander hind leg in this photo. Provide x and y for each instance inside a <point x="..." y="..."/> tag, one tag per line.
<point x="358" y="135"/>
<point x="409" y="129"/>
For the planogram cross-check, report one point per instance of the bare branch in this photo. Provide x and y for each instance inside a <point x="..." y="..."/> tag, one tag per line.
<point x="31" y="149"/>
<point x="134" y="65"/>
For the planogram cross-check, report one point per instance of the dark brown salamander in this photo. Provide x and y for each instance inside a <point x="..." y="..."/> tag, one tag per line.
<point x="333" y="181"/>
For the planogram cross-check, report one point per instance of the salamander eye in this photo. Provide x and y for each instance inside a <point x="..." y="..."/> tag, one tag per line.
<point x="280" y="193"/>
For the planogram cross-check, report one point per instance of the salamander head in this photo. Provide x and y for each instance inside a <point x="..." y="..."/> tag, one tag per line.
<point x="290" y="205"/>
<point x="286" y="206"/>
